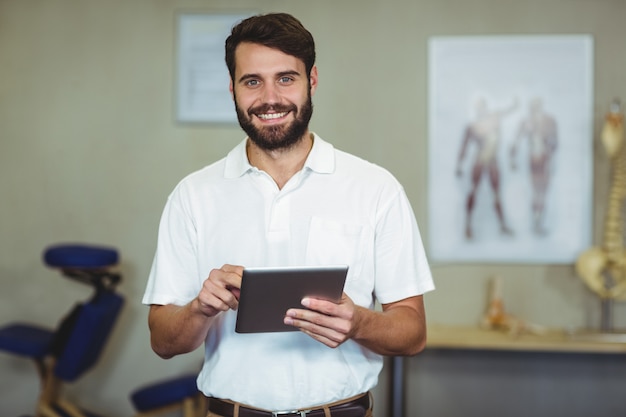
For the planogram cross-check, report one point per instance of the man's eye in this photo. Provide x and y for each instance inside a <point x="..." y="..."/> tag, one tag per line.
<point x="285" y="80"/>
<point x="252" y="83"/>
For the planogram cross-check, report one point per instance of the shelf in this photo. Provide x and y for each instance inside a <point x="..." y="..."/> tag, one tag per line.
<point x="475" y="338"/>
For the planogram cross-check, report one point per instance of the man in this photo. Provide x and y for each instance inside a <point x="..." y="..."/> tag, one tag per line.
<point x="540" y="129"/>
<point x="484" y="132"/>
<point x="284" y="197"/>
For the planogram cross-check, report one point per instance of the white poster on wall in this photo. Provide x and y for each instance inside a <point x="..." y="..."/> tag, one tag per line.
<point x="202" y="77"/>
<point x="510" y="148"/>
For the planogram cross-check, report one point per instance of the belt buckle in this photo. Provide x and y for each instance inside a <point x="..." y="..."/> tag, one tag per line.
<point x="302" y="413"/>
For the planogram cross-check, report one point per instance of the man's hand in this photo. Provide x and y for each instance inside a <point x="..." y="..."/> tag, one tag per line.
<point x="220" y="291"/>
<point x="181" y="329"/>
<point x="325" y="321"/>
<point x="400" y="329"/>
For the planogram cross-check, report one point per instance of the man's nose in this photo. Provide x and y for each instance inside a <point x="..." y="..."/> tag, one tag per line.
<point x="270" y="94"/>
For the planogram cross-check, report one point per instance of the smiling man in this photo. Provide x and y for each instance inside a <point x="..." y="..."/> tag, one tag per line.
<point x="286" y="197"/>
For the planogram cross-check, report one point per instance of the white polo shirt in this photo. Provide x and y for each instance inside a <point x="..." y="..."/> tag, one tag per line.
<point x="338" y="209"/>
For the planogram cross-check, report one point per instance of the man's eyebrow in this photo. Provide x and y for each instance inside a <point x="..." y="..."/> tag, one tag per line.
<point x="278" y="75"/>
<point x="247" y="77"/>
<point x="285" y="73"/>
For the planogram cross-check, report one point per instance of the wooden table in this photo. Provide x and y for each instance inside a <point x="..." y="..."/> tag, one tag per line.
<point x="476" y="338"/>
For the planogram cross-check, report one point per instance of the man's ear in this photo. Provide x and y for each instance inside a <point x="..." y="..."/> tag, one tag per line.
<point x="230" y="88"/>
<point x="313" y="79"/>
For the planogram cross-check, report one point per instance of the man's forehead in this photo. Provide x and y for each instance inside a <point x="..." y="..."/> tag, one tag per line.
<point x="255" y="58"/>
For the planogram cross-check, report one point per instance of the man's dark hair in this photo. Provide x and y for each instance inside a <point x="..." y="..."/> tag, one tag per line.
<point x="279" y="31"/>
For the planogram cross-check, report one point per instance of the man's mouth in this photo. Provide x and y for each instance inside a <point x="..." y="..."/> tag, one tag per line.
<point x="271" y="116"/>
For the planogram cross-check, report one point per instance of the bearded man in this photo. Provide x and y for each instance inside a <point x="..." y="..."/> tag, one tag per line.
<point x="286" y="197"/>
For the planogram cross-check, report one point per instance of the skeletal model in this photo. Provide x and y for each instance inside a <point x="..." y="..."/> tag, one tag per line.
<point x="603" y="268"/>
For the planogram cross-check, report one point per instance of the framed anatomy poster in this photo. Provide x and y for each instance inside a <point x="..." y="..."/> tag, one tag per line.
<point x="510" y="148"/>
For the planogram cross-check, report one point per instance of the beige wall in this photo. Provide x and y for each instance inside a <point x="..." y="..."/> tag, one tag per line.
<point x="89" y="150"/>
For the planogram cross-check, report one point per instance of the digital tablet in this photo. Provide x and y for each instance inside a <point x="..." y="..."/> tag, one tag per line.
<point x="267" y="293"/>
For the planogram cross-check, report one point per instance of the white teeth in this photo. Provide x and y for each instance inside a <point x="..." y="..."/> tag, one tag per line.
<point x="269" y="116"/>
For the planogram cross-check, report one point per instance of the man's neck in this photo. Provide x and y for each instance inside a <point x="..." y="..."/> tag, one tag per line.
<point x="280" y="164"/>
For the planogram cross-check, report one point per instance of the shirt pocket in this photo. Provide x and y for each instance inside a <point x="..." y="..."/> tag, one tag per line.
<point x="332" y="242"/>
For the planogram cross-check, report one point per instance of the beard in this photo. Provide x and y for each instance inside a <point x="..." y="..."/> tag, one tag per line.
<point x="271" y="138"/>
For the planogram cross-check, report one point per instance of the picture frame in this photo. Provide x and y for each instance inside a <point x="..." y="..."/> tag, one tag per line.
<point x="502" y="102"/>
<point x="202" y="79"/>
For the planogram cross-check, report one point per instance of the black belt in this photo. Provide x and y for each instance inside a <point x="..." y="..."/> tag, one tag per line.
<point x="354" y="408"/>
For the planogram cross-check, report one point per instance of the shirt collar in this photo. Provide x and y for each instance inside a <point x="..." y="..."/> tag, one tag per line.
<point x="237" y="161"/>
<point x="321" y="159"/>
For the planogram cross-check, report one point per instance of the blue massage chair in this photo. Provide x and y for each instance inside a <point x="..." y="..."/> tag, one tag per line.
<point x="62" y="355"/>
<point x="177" y="393"/>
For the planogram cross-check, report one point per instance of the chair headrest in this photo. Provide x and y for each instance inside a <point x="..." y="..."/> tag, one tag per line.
<point x="88" y="264"/>
<point x="79" y="256"/>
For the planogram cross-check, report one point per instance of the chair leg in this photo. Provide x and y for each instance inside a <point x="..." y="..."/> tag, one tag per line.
<point x="201" y="405"/>
<point x="46" y="411"/>
<point x="70" y="409"/>
<point x="189" y="407"/>
<point x="50" y="388"/>
<point x="177" y="407"/>
<point x="50" y="397"/>
<point x="195" y="406"/>
<point x="42" y="370"/>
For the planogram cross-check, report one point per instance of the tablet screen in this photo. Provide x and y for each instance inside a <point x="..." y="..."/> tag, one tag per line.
<point x="267" y="294"/>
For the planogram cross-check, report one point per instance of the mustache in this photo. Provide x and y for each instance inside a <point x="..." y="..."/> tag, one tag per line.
<point x="278" y="108"/>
